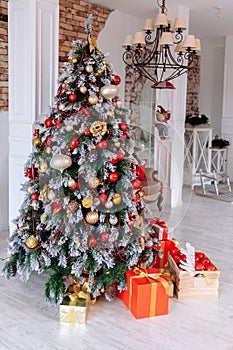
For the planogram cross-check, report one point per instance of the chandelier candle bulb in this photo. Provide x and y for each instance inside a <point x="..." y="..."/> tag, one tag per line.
<point x="189" y="42"/>
<point x="128" y="41"/>
<point x="149" y="25"/>
<point x="139" y="39"/>
<point x="179" y="24"/>
<point x="198" y="45"/>
<point x="161" y="20"/>
<point x="166" y="39"/>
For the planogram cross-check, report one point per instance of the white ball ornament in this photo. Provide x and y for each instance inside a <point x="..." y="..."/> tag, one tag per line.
<point x="109" y="91"/>
<point x="83" y="89"/>
<point x="51" y="195"/>
<point x="113" y="220"/>
<point x="62" y="106"/>
<point x="71" y="183"/>
<point x="108" y="204"/>
<point x="89" y="68"/>
<point x="60" y="162"/>
<point x="69" y="127"/>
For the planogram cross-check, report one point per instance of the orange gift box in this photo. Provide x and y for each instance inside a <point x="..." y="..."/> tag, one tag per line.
<point x="147" y="293"/>
<point x="166" y="246"/>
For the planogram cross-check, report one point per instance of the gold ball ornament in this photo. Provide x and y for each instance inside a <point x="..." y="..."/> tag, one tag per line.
<point x="92" y="217"/>
<point x="43" y="166"/>
<point x="109" y="91"/>
<point x="117" y="144"/>
<point x="83" y="89"/>
<point x="72" y="207"/>
<point x="93" y="99"/>
<point x="116" y="198"/>
<point x="108" y="204"/>
<point x="74" y="60"/>
<point x="94" y="182"/>
<point x="31" y="242"/>
<point x="141" y="192"/>
<point x="98" y="128"/>
<point x="60" y="162"/>
<point x="48" y="150"/>
<point x="71" y="183"/>
<point x="98" y="73"/>
<point x="87" y="202"/>
<point x="37" y="141"/>
<point x="110" y="113"/>
<point x="69" y="127"/>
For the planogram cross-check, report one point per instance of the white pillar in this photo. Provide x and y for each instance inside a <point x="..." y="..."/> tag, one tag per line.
<point x="170" y="153"/>
<point x="33" y="70"/>
<point x="227" y="114"/>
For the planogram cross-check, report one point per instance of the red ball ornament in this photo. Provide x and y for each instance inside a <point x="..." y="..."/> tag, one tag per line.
<point x="92" y="242"/>
<point x="136" y="184"/>
<point x="58" y="124"/>
<point x="124" y="136"/>
<point x="87" y="132"/>
<point x="199" y="266"/>
<point x="77" y="186"/>
<point x="28" y="173"/>
<point x="36" y="132"/>
<point x="103" y="197"/>
<point x="72" y="97"/>
<point x="34" y="196"/>
<point x="116" y="80"/>
<point x="49" y="140"/>
<point x="205" y="261"/>
<point x="177" y="258"/>
<point x="211" y="267"/>
<point x="48" y="122"/>
<point x="130" y="215"/>
<point x="74" y="142"/>
<point x="102" y="144"/>
<point x="175" y="251"/>
<point x="114" y="160"/>
<point x="113" y="177"/>
<point x="105" y="237"/>
<point x="123" y="126"/>
<point x="120" y="156"/>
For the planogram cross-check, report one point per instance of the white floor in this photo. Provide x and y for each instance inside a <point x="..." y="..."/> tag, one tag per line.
<point x="28" y="323"/>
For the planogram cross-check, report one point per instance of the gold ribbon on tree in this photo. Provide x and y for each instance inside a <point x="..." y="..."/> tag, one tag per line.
<point x="92" y="43"/>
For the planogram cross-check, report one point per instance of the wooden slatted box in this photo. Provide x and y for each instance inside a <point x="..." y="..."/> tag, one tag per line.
<point x="203" y="285"/>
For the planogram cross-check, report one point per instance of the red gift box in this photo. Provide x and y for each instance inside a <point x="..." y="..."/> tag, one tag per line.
<point x="147" y="293"/>
<point x="160" y="229"/>
<point x="165" y="246"/>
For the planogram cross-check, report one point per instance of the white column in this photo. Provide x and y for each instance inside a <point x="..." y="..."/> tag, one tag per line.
<point x="170" y="153"/>
<point x="33" y="69"/>
<point x="227" y="114"/>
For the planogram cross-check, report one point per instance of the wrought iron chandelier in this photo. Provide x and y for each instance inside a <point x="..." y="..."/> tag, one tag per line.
<point x="153" y="54"/>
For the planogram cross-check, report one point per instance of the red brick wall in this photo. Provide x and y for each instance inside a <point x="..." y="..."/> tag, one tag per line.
<point x="72" y="16"/>
<point x="3" y="55"/>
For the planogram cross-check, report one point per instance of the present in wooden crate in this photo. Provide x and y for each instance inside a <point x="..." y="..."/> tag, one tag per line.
<point x="75" y="305"/>
<point x="196" y="280"/>
<point x="147" y="293"/>
<point x="166" y="246"/>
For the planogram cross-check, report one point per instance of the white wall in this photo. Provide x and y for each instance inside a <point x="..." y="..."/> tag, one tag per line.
<point x="211" y="87"/>
<point x="4" y="173"/>
<point x="111" y="38"/>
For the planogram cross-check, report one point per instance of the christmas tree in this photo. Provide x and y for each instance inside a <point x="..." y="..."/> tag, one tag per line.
<point x="82" y="194"/>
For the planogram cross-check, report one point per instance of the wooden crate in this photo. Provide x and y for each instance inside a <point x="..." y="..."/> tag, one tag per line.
<point x="203" y="285"/>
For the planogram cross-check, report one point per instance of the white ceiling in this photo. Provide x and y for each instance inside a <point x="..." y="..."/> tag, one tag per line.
<point x="203" y="20"/>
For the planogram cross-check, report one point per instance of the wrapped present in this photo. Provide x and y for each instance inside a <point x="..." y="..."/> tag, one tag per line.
<point x="147" y="293"/>
<point x="166" y="246"/>
<point x="159" y="229"/>
<point x="75" y="305"/>
<point x="170" y="278"/>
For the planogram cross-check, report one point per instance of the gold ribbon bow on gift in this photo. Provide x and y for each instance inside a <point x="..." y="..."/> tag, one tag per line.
<point x="78" y="295"/>
<point x="92" y="43"/>
<point x="153" y="279"/>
